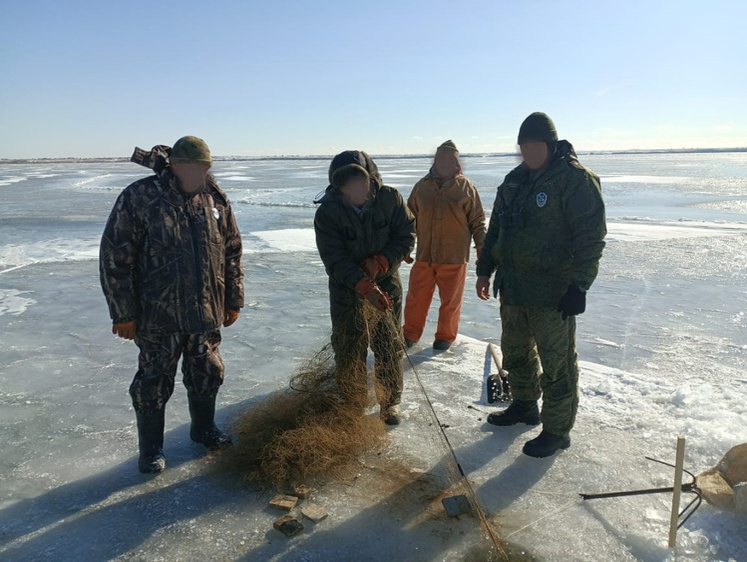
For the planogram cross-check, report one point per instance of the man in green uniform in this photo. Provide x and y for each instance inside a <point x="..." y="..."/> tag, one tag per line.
<point x="544" y="243"/>
<point x="363" y="232"/>
<point x="170" y="263"/>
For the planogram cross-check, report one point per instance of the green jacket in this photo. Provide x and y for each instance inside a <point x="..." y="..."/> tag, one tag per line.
<point x="345" y="239"/>
<point x="546" y="232"/>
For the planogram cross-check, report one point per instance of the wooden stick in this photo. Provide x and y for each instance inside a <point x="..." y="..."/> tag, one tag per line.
<point x="494" y="353"/>
<point x="678" y="464"/>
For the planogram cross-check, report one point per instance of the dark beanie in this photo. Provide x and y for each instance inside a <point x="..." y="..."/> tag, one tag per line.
<point x="538" y="127"/>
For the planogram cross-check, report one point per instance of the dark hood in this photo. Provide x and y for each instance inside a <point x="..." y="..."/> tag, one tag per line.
<point x="356" y="158"/>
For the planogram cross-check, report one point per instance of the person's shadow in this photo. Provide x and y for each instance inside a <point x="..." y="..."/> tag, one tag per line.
<point x="110" y="513"/>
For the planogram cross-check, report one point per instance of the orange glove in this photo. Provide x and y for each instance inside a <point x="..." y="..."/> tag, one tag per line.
<point x="375" y="265"/>
<point x="230" y="317"/>
<point x="124" y="330"/>
<point x="483" y="287"/>
<point x="374" y="295"/>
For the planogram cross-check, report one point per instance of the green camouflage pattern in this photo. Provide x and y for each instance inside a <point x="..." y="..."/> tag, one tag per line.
<point x="202" y="367"/>
<point x="190" y="150"/>
<point x="556" y="237"/>
<point x="169" y="261"/>
<point x="532" y="336"/>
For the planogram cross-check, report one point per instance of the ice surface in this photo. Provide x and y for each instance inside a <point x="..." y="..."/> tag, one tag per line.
<point x="663" y="348"/>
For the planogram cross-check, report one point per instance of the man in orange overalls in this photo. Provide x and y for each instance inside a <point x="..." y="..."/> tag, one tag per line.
<point x="448" y="214"/>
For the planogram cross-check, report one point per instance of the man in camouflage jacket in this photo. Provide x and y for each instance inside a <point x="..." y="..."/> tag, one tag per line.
<point x="170" y="264"/>
<point x="362" y="244"/>
<point x="544" y="244"/>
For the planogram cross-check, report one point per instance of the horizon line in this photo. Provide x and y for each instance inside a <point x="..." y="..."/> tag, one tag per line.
<point x="229" y="158"/>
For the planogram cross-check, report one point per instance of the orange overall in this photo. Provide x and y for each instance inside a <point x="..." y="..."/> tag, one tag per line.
<point x="447" y="218"/>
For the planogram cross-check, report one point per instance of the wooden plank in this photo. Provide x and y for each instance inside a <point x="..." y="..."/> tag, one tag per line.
<point x="286" y="503"/>
<point x="678" y="464"/>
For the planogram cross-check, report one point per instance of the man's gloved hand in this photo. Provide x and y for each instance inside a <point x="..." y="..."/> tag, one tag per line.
<point x="124" y="330"/>
<point x="408" y="259"/>
<point x="483" y="287"/>
<point x="374" y="295"/>
<point x="376" y="265"/>
<point x="573" y="302"/>
<point x="230" y="317"/>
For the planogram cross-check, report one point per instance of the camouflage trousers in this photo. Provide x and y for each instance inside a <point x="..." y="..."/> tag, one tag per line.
<point x="356" y="325"/>
<point x="537" y="335"/>
<point x="202" y="367"/>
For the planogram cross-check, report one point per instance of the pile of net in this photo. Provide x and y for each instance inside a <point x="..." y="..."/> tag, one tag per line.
<point x="307" y="433"/>
<point x="725" y="485"/>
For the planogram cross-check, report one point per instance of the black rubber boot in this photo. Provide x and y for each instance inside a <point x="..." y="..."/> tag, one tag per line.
<point x="546" y="444"/>
<point x="519" y="411"/>
<point x="441" y="345"/>
<point x="203" y="429"/>
<point x="391" y="414"/>
<point x="150" y="442"/>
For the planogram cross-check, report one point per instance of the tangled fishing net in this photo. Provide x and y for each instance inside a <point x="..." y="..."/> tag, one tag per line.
<point x="317" y="428"/>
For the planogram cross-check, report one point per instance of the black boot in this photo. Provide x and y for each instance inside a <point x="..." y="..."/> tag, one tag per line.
<point x="546" y="444"/>
<point x="150" y="442"/>
<point x="519" y="411"/>
<point x="204" y="430"/>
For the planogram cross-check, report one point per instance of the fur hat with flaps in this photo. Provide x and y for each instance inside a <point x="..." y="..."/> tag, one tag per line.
<point x="355" y="159"/>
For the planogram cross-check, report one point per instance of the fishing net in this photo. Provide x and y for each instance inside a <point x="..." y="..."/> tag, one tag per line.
<point x="725" y="485"/>
<point x="317" y="428"/>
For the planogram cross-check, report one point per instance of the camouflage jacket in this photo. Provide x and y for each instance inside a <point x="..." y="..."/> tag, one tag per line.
<point x="344" y="239"/>
<point x="545" y="232"/>
<point x="170" y="261"/>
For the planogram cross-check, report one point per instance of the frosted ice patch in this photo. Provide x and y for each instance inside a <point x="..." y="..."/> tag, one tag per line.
<point x="11" y="301"/>
<point x="11" y="180"/>
<point x="650" y="231"/>
<point x="287" y="240"/>
<point x="13" y="256"/>
<point x="646" y="179"/>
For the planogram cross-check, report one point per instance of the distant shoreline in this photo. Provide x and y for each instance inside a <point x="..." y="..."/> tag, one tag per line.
<point x="95" y="160"/>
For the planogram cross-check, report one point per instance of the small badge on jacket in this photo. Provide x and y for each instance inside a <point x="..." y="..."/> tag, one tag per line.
<point x="541" y="199"/>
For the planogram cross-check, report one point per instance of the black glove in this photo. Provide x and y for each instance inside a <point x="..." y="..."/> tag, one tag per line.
<point x="573" y="302"/>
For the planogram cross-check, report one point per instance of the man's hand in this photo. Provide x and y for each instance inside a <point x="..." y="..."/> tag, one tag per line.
<point x="230" y="317"/>
<point x="376" y="265"/>
<point x="124" y="330"/>
<point x="573" y="302"/>
<point x="483" y="287"/>
<point x="379" y="300"/>
<point x="373" y="294"/>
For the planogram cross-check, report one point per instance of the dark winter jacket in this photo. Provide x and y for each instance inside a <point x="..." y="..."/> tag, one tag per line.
<point x="546" y="232"/>
<point x="169" y="260"/>
<point x="344" y="239"/>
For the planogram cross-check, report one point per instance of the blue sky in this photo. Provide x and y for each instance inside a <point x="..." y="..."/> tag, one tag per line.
<point x="89" y="79"/>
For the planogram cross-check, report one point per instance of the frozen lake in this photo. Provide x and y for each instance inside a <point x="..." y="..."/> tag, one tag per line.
<point x="664" y="345"/>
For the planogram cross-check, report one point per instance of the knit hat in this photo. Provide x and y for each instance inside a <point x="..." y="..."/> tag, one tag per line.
<point x="190" y="150"/>
<point x="448" y="145"/>
<point x="538" y="127"/>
